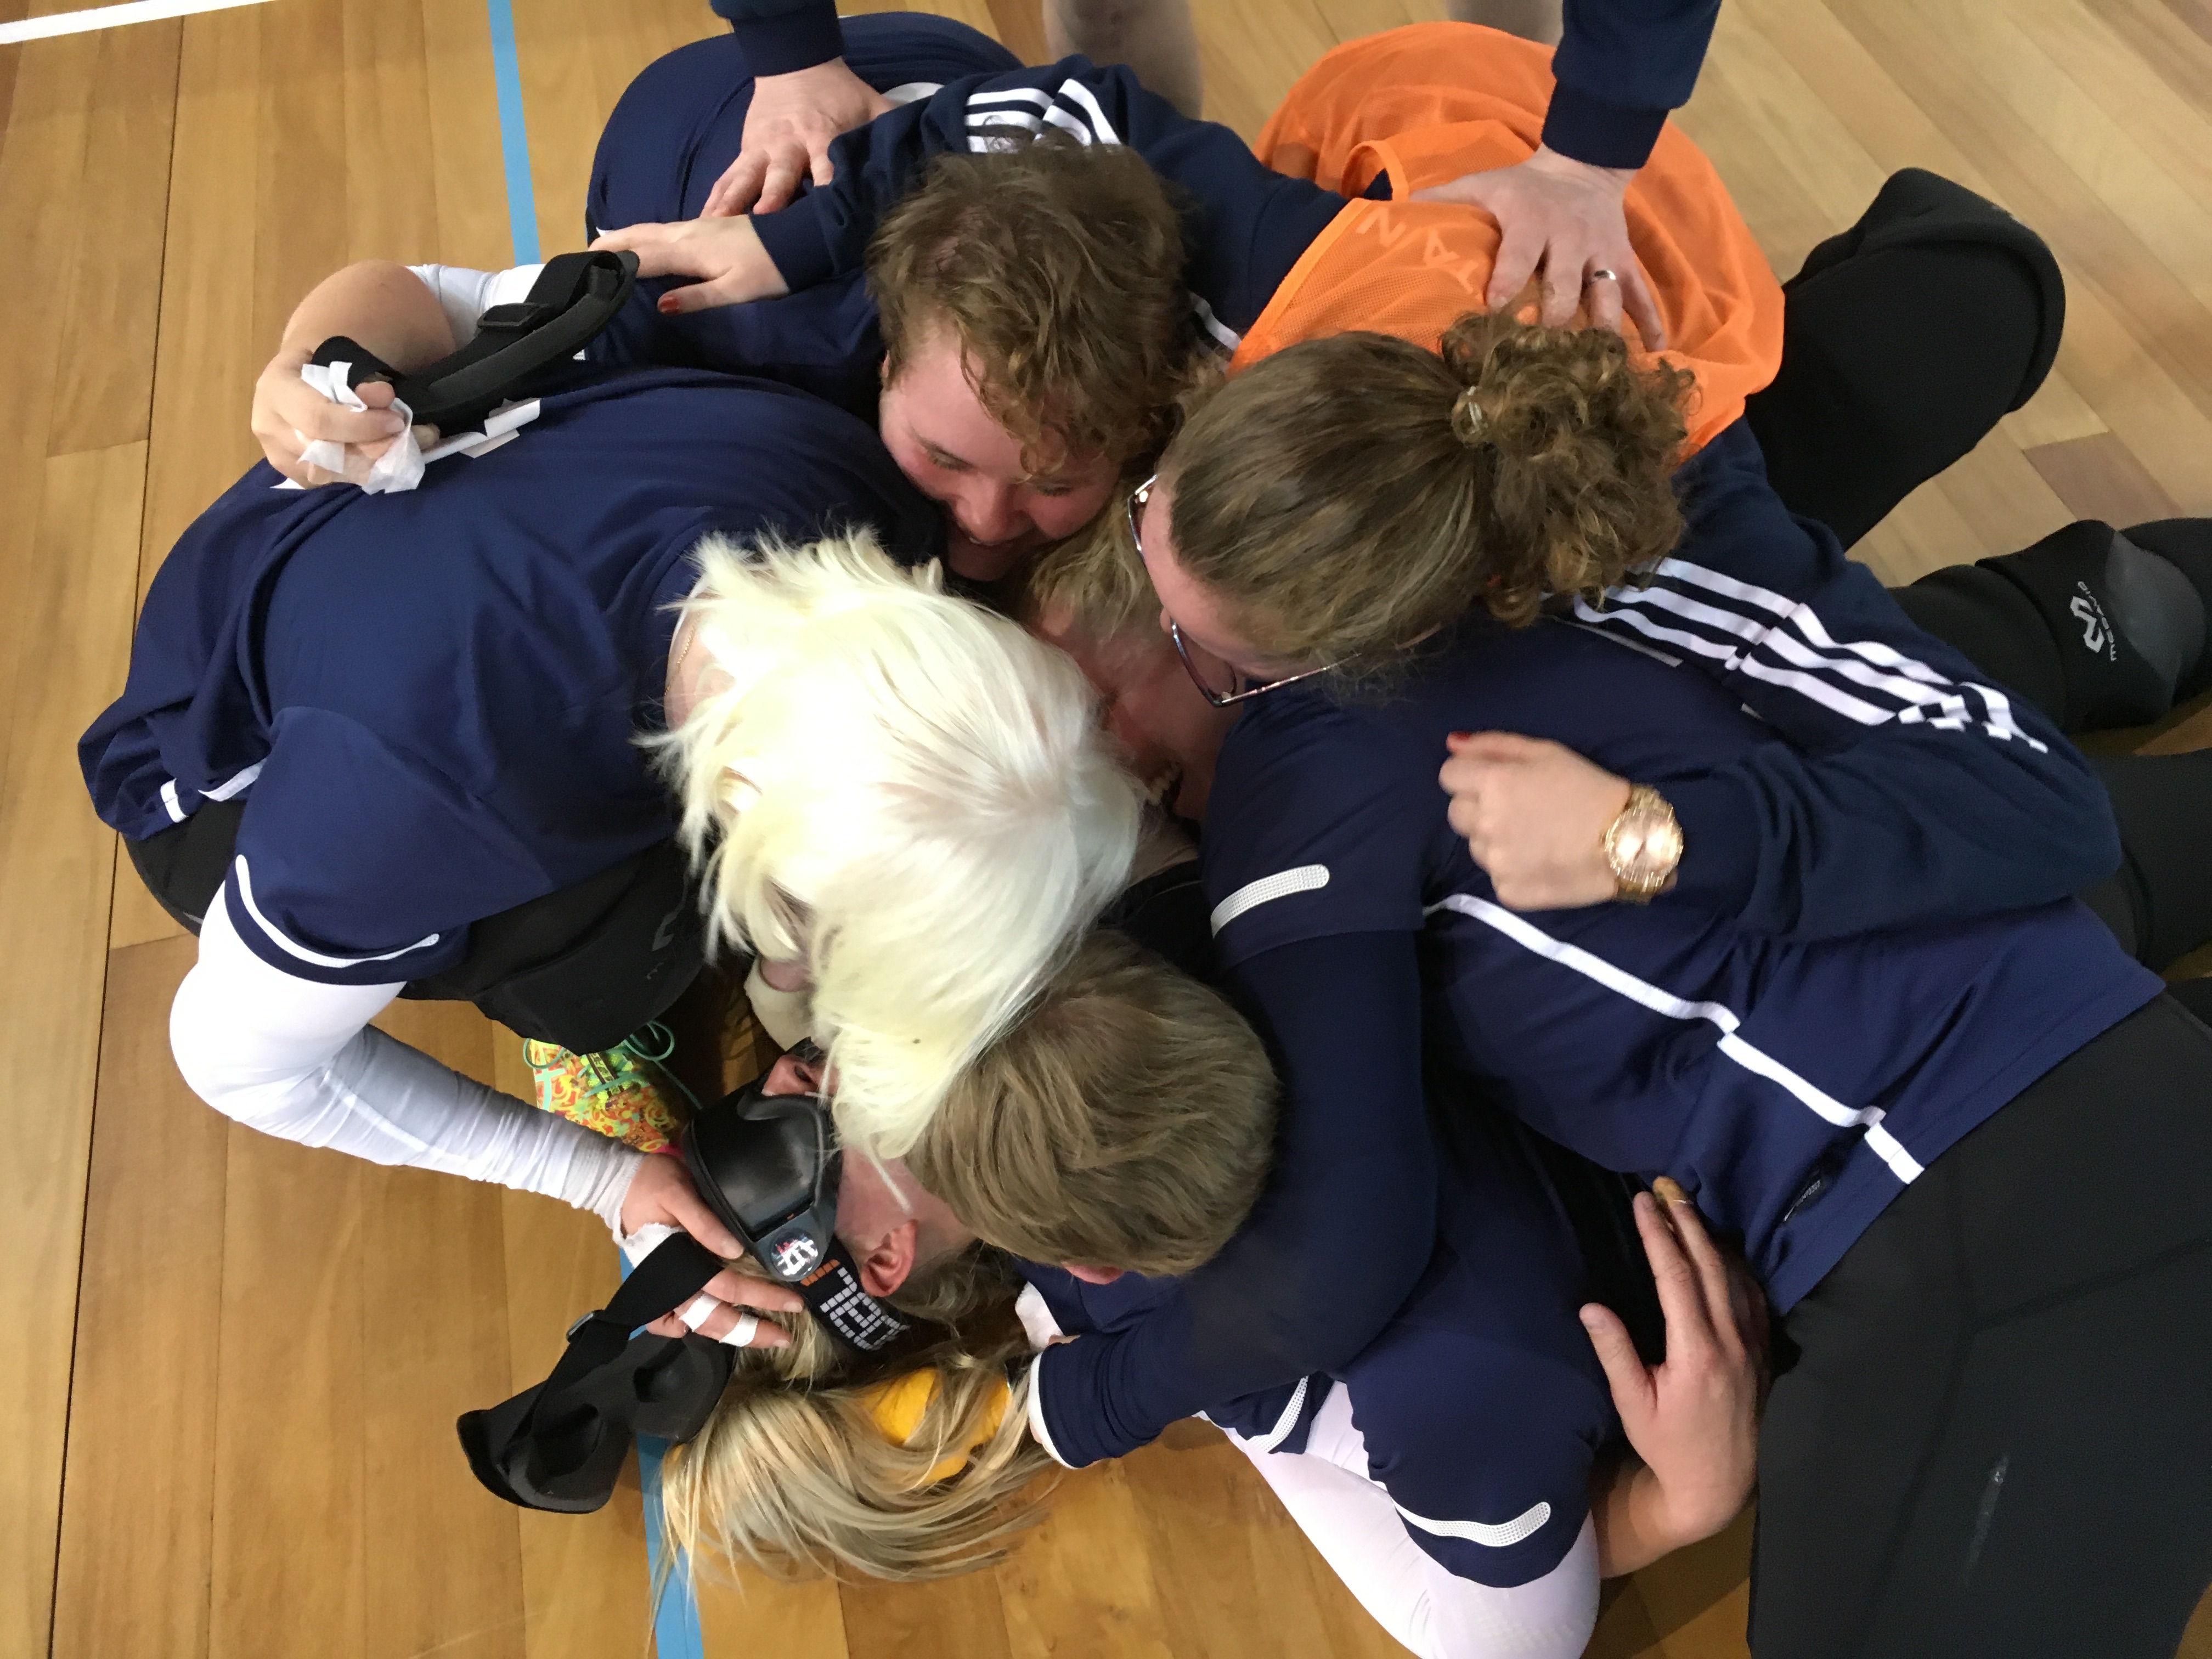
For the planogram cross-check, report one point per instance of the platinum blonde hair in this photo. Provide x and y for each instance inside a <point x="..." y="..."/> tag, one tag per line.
<point x="793" y="1474"/>
<point x="902" y="788"/>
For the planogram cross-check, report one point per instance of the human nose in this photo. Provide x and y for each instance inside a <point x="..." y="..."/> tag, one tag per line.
<point x="989" y="512"/>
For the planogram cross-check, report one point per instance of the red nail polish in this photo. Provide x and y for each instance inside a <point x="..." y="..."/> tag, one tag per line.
<point x="1459" y="737"/>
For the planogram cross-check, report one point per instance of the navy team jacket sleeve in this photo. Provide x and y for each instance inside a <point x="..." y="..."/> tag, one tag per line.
<point x="1339" y="1238"/>
<point x="780" y="36"/>
<point x="1903" y="786"/>
<point x="1621" y="66"/>
<point x="1252" y="223"/>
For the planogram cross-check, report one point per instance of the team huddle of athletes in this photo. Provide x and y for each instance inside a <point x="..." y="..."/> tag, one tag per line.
<point x="1290" y="735"/>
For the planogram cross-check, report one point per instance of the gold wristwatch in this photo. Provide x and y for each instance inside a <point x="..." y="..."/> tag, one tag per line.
<point x="1644" y="845"/>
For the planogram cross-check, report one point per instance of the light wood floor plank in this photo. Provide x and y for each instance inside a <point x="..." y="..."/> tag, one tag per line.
<point x="464" y="162"/>
<point x="390" y="144"/>
<point x="948" y="1618"/>
<point x="205" y="350"/>
<point x="290" y="1557"/>
<point x="1251" y="51"/>
<point x="443" y="1570"/>
<point x="1221" y="1547"/>
<point x="2055" y="414"/>
<point x="1755" y="108"/>
<point x="105" y="397"/>
<point x="43" y="141"/>
<point x="73" y="596"/>
<point x="140" y="1486"/>
<point x="1925" y="49"/>
<point x="1082" y="1587"/>
<point x="2099" y="478"/>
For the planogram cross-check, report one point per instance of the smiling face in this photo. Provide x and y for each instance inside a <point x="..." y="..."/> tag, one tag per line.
<point x="956" y="453"/>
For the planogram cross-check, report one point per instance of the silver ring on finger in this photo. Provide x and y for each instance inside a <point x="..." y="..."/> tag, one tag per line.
<point x="1601" y="275"/>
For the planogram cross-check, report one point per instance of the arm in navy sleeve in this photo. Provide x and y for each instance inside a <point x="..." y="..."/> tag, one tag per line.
<point x="1621" y="66"/>
<point x="780" y="36"/>
<point x="1903" y="787"/>
<point x="1251" y="226"/>
<point x="1340" y="1237"/>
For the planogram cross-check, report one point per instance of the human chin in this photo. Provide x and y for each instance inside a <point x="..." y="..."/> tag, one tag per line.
<point x="987" y="562"/>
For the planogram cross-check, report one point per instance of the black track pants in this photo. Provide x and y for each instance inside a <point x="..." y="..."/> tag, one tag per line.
<point x="1996" y="1438"/>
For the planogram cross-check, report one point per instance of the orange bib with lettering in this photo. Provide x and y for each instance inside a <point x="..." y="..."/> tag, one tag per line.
<point x="1431" y="101"/>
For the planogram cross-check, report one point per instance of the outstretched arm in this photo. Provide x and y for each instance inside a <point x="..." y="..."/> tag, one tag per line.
<point x="1252" y="226"/>
<point x="1621" y="66"/>
<point x="1339" y="1237"/>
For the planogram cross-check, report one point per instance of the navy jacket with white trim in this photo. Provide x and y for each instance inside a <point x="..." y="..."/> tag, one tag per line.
<point x="1327" y="845"/>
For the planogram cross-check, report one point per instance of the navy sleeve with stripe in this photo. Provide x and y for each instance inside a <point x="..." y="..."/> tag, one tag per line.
<point x="1903" y="786"/>
<point x="1347" y="1223"/>
<point x="1252" y="225"/>
<point x="1621" y="66"/>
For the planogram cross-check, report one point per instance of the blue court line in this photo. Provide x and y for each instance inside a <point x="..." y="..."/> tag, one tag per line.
<point x="676" y="1612"/>
<point x="513" y="135"/>
<point x="675" y="1615"/>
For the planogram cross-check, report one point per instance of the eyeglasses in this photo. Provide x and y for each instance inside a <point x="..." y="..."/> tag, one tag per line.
<point x="1135" y="506"/>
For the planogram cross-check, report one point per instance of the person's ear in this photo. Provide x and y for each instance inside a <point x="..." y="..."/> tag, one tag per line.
<point x="1091" y="1275"/>
<point x="888" y="1265"/>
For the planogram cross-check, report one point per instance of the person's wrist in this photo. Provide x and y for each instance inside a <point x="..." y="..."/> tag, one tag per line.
<point x="1642" y="845"/>
<point x="1547" y="160"/>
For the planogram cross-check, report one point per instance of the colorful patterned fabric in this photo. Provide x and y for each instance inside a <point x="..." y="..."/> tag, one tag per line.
<point x="625" y="1092"/>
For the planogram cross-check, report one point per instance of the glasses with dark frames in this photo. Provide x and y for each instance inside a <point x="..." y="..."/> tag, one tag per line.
<point x="1134" y="506"/>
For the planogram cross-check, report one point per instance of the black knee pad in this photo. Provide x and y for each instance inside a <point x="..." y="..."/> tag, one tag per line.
<point x="1996" y="627"/>
<point x="2186" y="544"/>
<point x="2130" y="626"/>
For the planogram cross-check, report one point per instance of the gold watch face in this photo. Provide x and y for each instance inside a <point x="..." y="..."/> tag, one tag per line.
<point x="1647" y="845"/>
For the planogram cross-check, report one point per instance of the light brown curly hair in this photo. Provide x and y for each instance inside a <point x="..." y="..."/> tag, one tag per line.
<point x="1348" y="495"/>
<point x="1059" y="268"/>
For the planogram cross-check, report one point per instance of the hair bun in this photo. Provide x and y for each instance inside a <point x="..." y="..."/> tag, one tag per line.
<point x="1469" y="423"/>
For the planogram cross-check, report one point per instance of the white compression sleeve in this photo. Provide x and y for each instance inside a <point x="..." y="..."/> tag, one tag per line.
<point x="297" y="1060"/>
<point x="465" y="295"/>
<point x="1352" y="1522"/>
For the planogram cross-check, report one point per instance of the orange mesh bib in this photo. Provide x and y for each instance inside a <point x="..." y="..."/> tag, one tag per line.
<point x="1430" y="102"/>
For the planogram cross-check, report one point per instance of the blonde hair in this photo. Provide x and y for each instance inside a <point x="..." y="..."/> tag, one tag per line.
<point x="1349" y="495"/>
<point x="902" y="788"/>
<point x="792" y="1472"/>
<point x="1093" y="584"/>
<point x="1126" y="1122"/>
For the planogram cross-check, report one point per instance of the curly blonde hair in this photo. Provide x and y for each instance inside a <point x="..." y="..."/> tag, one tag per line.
<point x="1349" y="495"/>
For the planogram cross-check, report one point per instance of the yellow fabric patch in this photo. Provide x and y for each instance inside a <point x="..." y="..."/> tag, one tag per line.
<point x="897" y="1407"/>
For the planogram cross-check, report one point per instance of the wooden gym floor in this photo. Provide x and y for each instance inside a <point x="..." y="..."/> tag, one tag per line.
<point x="230" y="1367"/>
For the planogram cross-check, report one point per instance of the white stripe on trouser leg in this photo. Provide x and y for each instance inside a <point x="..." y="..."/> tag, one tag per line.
<point x="1353" y="1525"/>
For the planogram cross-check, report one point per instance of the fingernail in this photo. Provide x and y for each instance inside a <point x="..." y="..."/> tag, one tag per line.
<point x="1588" y="1317"/>
<point x="1459" y="737"/>
<point x="392" y="425"/>
<point x="1670" y="1190"/>
<point x="666" y="305"/>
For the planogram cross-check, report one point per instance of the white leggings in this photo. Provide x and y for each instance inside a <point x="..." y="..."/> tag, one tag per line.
<point x="1352" y="1522"/>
